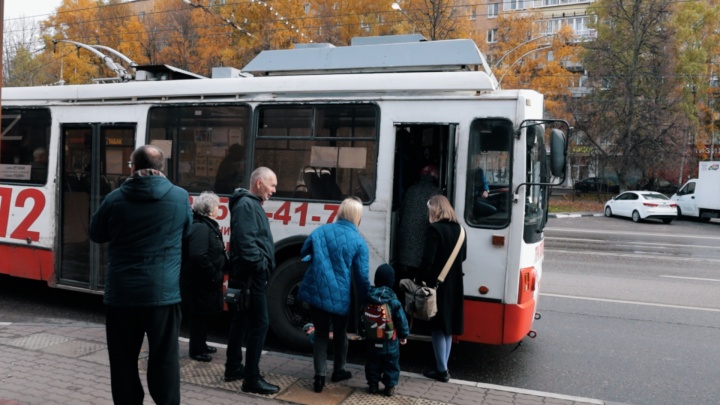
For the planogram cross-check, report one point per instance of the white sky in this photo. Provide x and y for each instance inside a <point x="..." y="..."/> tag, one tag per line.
<point x="30" y="8"/>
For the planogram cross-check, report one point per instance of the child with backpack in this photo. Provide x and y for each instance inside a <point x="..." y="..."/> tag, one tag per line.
<point x="385" y="328"/>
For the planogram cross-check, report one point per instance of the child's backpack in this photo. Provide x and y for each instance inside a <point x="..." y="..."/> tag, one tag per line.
<point x="377" y="322"/>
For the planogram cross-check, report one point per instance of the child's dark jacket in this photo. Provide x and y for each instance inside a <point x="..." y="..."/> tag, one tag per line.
<point x="382" y="295"/>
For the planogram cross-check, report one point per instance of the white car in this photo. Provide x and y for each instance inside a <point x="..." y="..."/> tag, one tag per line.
<point x="640" y="205"/>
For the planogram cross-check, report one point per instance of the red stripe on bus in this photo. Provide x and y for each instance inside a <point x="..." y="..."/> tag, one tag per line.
<point x="27" y="262"/>
<point x="495" y="323"/>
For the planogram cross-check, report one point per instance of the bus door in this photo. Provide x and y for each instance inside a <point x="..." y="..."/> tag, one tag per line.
<point x="417" y="146"/>
<point x="95" y="161"/>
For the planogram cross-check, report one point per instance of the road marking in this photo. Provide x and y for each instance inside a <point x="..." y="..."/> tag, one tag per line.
<point x="692" y="278"/>
<point x="648" y="255"/>
<point x="649" y="304"/>
<point x="615" y="233"/>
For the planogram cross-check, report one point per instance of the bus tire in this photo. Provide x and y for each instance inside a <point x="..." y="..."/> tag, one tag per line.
<point x="287" y="314"/>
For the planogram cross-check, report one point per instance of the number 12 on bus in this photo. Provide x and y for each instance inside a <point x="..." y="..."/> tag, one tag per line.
<point x="364" y="127"/>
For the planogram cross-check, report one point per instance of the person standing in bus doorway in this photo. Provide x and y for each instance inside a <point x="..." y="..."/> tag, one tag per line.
<point x="144" y="222"/>
<point x="201" y="278"/>
<point x="337" y="254"/>
<point x="414" y="222"/>
<point x="440" y="240"/>
<point x="253" y="258"/>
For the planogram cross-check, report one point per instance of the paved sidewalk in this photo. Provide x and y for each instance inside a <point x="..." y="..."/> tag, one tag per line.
<point x="66" y="362"/>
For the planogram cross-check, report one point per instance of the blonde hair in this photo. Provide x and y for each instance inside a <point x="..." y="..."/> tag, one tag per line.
<point x="350" y="210"/>
<point x="439" y="208"/>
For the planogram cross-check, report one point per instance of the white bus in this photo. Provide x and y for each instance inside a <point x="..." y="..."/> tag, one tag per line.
<point x="357" y="120"/>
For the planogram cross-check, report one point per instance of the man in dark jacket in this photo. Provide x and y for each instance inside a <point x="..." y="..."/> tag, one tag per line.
<point x="253" y="258"/>
<point x="144" y="221"/>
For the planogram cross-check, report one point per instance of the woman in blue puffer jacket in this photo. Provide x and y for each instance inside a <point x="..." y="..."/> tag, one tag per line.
<point x="337" y="253"/>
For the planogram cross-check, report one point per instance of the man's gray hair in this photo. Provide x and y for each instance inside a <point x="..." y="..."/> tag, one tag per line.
<point x="261" y="172"/>
<point x="205" y="203"/>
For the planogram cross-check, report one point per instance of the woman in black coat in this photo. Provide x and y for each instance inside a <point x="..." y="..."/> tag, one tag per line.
<point x="440" y="240"/>
<point x="201" y="278"/>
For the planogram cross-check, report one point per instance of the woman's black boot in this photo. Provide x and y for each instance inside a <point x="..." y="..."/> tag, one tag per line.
<point x="319" y="383"/>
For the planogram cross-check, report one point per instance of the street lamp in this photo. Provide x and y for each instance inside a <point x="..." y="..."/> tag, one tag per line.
<point x="396" y="7"/>
<point x="227" y="21"/>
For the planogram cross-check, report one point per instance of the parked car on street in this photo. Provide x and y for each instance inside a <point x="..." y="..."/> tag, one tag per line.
<point x="596" y="185"/>
<point x="641" y="205"/>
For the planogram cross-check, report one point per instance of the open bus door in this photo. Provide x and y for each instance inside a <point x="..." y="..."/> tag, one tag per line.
<point x="418" y="145"/>
<point x="94" y="162"/>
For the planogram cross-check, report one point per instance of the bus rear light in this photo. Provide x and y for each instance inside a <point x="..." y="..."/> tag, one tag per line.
<point x="483" y="290"/>
<point x="527" y="284"/>
<point x="498" y="240"/>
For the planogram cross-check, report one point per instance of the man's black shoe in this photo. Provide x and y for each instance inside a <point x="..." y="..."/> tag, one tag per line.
<point x="201" y="357"/>
<point x="373" y="388"/>
<point x="389" y="391"/>
<point x="210" y="349"/>
<point x="340" y="375"/>
<point x="260" y="386"/>
<point x="235" y="375"/>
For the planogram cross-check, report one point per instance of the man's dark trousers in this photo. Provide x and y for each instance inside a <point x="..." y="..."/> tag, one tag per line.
<point x="125" y="329"/>
<point x="236" y="337"/>
<point x="257" y="327"/>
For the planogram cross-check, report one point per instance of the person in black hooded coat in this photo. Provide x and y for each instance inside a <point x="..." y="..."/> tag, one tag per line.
<point x="440" y="240"/>
<point x="201" y="278"/>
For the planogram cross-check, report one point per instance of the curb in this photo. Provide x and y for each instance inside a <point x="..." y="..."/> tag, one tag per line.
<point x="575" y="214"/>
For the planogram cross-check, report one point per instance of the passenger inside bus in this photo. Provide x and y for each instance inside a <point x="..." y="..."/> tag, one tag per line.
<point x="39" y="165"/>
<point x="231" y="171"/>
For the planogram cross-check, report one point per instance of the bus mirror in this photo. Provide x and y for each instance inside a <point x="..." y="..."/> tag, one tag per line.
<point x="558" y="148"/>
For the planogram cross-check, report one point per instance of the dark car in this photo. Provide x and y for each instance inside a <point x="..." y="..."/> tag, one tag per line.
<point x="660" y="185"/>
<point x="596" y="185"/>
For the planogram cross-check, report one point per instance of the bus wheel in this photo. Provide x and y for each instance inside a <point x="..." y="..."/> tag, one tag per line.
<point x="287" y="314"/>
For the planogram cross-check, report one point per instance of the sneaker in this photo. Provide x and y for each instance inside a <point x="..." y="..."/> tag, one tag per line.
<point x="340" y="375"/>
<point x="373" y="388"/>
<point x="389" y="391"/>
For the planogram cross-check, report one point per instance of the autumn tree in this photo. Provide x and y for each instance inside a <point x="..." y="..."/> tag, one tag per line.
<point x="437" y="19"/>
<point x="631" y="117"/>
<point x="88" y="22"/>
<point x="524" y="57"/>
<point x="20" y="66"/>
<point x="697" y="46"/>
<point x="338" y="22"/>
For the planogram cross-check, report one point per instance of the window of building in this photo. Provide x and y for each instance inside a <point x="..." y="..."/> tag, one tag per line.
<point x="493" y="9"/>
<point x="24" y="146"/>
<point x="320" y="152"/>
<point x="514" y="5"/>
<point x="208" y="145"/>
<point x="473" y="14"/>
<point x="492" y="35"/>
